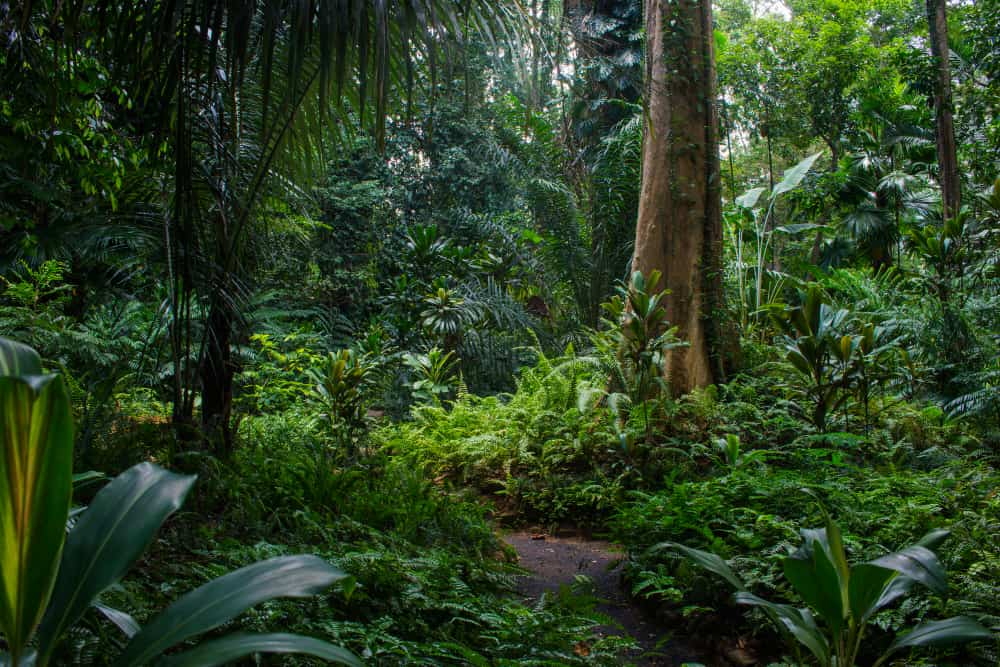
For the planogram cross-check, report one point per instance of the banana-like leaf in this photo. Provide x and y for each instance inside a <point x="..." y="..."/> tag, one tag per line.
<point x="954" y="630"/>
<point x="36" y="470"/>
<point x="707" y="560"/>
<point x="918" y="563"/>
<point x="793" y="177"/>
<point x="234" y="647"/>
<point x="800" y="227"/>
<point x="222" y="599"/>
<point x="799" y="622"/>
<point x="107" y="539"/>
<point x="749" y="198"/>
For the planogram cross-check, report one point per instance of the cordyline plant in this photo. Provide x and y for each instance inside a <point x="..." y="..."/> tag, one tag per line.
<point x="50" y="577"/>
<point x="846" y="597"/>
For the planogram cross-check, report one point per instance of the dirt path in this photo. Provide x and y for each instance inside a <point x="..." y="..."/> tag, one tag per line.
<point x="556" y="561"/>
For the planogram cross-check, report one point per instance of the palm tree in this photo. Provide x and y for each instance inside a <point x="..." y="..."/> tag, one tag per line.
<point x="239" y="95"/>
<point x="886" y="179"/>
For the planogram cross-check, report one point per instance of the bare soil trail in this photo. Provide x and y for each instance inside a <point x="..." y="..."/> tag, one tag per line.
<point x="555" y="561"/>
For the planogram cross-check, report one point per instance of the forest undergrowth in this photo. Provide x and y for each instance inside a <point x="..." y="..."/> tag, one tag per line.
<point x="304" y="304"/>
<point x="413" y="515"/>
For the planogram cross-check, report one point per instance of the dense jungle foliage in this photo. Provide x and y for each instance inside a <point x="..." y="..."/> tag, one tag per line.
<point x="304" y="304"/>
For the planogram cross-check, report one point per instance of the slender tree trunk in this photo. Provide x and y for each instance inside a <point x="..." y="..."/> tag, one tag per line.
<point x="951" y="195"/>
<point x="217" y="373"/>
<point x="679" y="228"/>
<point x="774" y="263"/>
<point x="729" y="154"/>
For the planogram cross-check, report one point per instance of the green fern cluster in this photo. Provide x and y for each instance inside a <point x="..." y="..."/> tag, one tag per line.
<point x="538" y="450"/>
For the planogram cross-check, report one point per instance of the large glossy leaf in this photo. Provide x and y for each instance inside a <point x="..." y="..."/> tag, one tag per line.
<point x="749" y="198"/>
<point x="222" y="599"/>
<point x="812" y="305"/>
<point x="838" y="556"/>
<point x="814" y="577"/>
<point x="867" y="589"/>
<point x="107" y="540"/>
<point x="36" y="470"/>
<point x="918" y="563"/>
<point x="707" y="560"/>
<point x="234" y="647"/>
<point x="798" y="228"/>
<point x="954" y="630"/>
<point x="793" y="177"/>
<point x="934" y="539"/>
<point x="799" y="622"/>
<point x="17" y="359"/>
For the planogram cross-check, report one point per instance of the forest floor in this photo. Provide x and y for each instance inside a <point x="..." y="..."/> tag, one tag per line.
<point x="554" y="561"/>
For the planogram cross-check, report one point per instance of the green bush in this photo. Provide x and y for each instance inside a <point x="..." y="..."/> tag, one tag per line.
<point x="750" y="516"/>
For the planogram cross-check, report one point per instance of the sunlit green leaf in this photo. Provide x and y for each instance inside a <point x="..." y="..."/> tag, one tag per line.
<point x="36" y="460"/>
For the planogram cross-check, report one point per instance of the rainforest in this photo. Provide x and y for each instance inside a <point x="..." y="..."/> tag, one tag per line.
<point x="500" y="333"/>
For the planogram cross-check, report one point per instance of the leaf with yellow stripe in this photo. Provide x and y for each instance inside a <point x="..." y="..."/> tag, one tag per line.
<point x="36" y="468"/>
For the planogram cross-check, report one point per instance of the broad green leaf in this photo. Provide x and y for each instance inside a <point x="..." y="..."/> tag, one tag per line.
<point x="918" y="563"/>
<point x="838" y="555"/>
<point x="897" y="588"/>
<point x="793" y="177"/>
<point x="17" y="359"/>
<point x="812" y="306"/>
<point x="222" y="599"/>
<point x="866" y="590"/>
<point x="108" y="538"/>
<point x="797" y="359"/>
<point x="234" y="647"/>
<point x="798" y="228"/>
<point x="799" y="622"/>
<point x="749" y="198"/>
<point x="954" y="630"/>
<point x="934" y="539"/>
<point x="36" y="470"/>
<point x="873" y="588"/>
<point x="707" y="560"/>
<point x="815" y="579"/>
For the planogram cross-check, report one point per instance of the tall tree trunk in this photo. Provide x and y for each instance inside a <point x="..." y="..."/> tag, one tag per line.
<point x="951" y="194"/>
<point x="217" y="381"/>
<point x="679" y="228"/>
